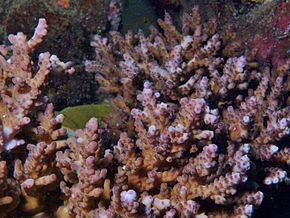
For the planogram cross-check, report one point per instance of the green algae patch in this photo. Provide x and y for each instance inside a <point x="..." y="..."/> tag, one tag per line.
<point x="77" y="116"/>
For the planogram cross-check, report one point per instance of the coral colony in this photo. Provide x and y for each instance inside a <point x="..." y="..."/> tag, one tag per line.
<point x="199" y="127"/>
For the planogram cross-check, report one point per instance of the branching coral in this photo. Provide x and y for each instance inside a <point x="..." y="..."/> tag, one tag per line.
<point x="177" y="62"/>
<point x="19" y="86"/>
<point x="9" y="192"/>
<point x="28" y="124"/>
<point x="84" y="165"/>
<point x="38" y="174"/>
<point x="174" y="167"/>
<point x="208" y="117"/>
<point x="175" y="154"/>
<point x="21" y="83"/>
<point x="201" y="127"/>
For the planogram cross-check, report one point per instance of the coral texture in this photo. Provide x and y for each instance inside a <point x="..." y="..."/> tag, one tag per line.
<point x="28" y="124"/>
<point x="210" y="122"/>
<point x="84" y="165"/>
<point x="177" y="63"/>
<point x="199" y="128"/>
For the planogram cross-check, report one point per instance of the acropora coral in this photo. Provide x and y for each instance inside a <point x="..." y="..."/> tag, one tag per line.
<point x="197" y="126"/>
<point x="29" y="130"/>
<point x="208" y="115"/>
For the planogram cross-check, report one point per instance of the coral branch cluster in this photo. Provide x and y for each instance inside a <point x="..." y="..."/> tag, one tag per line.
<point x="30" y="132"/>
<point x="199" y="128"/>
<point x="84" y="165"/>
<point x="205" y="120"/>
<point x="176" y="62"/>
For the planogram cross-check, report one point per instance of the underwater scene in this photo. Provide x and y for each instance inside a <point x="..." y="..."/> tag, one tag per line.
<point x="144" y="108"/>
